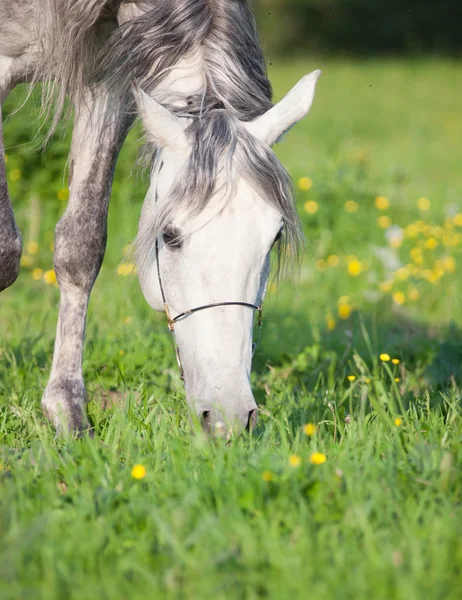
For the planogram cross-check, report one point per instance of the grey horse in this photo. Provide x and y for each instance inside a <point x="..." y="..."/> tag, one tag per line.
<point x="219" y="198"/>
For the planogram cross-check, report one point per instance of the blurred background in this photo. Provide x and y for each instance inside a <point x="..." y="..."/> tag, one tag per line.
<point x="360" y="27"/>
<point x="377" y="171"/>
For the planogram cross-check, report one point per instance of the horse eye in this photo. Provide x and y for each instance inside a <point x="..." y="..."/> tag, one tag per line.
<point x="172" y="238"/>
<point x="278" y="236"/>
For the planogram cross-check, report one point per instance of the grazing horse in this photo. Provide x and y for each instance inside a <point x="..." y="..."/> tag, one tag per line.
<point x="218" y="200"/>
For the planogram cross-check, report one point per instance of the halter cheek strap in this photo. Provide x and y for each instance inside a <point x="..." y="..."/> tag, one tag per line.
<point x="172" y="321"/>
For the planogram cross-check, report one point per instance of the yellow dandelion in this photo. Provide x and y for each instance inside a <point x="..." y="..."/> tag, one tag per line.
<point x="267" y="476"/>
<point x="367" y="380"/>
<point x="431" y="243"/>
<point x="295" y="460"/>
<point x="26" y="261"/>
<point x="125" y="269"/>
<point x="411" y="230"/>
<point x="63" y="194"/>
<point x="413" y="294"/>
<point x="344" y="310"/>
<point x="416" y="255"/>
<point x="395" y="361"/>
<point x="398" y="421"/>
<point x="32" y="247"/>
<point x="449" y="264"/>
<point x="382" y="203"/>
<point x="402" y="273"/>
<point x="384" y="222"/>
<point x="139" y="472"/>
<point x="384" y="357"/>
<point x="305" y="184"/>
<point x="309" y="429"/>
<point x="122" y="352"/>
<point x="37" y="274"/>
<point x="311" y="207"/>
<point x="351" y="378"/>
<point x="331" y="322"/>
<point x="354" y="267"/>
<point x="458" y="220"/>
<point x="49" y="277"/>
<point x="351" y="206"/>
<point x="386" y="286"/>
<point x="333" y="260"/>
<point x="15" y="175"/>
<point x="397" y="379"/>
<point x="399" y="298"/>
<point x="318" y="458"/>
<point x="423" y="203"/>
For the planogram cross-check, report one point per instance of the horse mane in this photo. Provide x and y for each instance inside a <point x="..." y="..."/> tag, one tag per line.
<point x="83" y="46"/>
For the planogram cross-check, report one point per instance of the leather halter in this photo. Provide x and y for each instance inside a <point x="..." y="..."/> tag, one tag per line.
<point x="171" y="322"/>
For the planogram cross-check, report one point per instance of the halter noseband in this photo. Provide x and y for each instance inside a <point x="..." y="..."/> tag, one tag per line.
<point x="171" y="322"/>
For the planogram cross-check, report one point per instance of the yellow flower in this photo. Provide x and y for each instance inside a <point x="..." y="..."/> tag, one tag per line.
<point x="351" y="206"/>
<point x="423" y="203"/>
<point x="333" y="260"/>
<point x="295" y="460"/>
<point x="122" y="352"/>
<point x="351" y="378"/>
<point x="37" y="274"/>
<point x="309" y="429"/>
<point x="344" y="310"/>
<point x="331" y="322"/>
<point x="399" y="298"/>
<point x="32" y="247"/>
<point x="311" y="207"/>
<point x="386" y="286"/>
<point x="458" y="220"/>
<point x="267" y="476"/>
<point x="63" y="194"/>
<point x="382" y="203"/>
<point x="411" y="230"/>
<point x="318" y="458"/>
<point x="354" y="267"/>
<point x="128" y="320"/>
<point x="384" y="357"/>
<point x="431" y="243"/>
<point x="395" y="361"/>
<point x="305" y="184"/>
<point x="397" y="379"/>
<point x="125" y="269"/>
<point x="15" y="175"/>
<point x="398" y="421"/>
<point x="413" y="294"/>
<point x="449" y="264"/>
<point x="49" y="277"/>
<point x="367" y="380"/>
<point x="139" y="472"/>
<point x="384" y="222"/>
<point x="416" y="255"/>
<point x="26" y="260"/>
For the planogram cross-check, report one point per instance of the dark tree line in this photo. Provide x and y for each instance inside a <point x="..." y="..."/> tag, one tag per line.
<point x="361" y="26"/>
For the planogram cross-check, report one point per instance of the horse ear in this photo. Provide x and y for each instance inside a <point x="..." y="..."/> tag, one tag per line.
<point x="164" y="128"/>
<point x="275" y="122"/>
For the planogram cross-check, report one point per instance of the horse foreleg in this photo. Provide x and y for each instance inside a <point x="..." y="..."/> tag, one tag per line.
<point x="10" y="238"/>
<point x="80" y="241"/>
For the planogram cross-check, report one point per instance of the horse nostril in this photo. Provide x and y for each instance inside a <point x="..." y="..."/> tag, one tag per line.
<point x="252" y="420"/>
<point x="205" y="420"/>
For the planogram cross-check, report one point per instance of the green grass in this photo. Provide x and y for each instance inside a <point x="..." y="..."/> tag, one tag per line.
<point x="382" y="517"/>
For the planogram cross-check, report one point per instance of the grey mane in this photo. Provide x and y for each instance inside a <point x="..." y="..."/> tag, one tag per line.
<point x="84" y="45"/>
<point x="221" y="144"/>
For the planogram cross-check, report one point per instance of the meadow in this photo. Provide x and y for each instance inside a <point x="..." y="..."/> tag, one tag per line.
<point x="351" y="485"/>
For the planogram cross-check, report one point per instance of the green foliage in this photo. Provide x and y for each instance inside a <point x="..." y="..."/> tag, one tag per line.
<point x="382" y="516"/>
<point x="360" y="26"/>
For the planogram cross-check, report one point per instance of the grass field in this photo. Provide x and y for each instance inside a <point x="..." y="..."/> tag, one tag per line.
<point x="351" y="486"/>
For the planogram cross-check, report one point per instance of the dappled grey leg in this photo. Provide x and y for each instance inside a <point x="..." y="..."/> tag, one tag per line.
<point x="10" y="238"/>
<point x="99" y="131"/>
